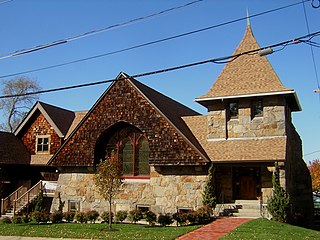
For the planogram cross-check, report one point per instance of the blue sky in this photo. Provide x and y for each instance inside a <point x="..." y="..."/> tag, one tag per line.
<point x="25" y="24"/>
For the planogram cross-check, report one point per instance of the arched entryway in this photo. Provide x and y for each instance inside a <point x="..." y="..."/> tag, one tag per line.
<point x="128" y="144"/>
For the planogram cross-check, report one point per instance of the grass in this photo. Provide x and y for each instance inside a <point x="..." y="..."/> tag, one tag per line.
<point x="266" y="229"/>
<point x="93" y="231"/>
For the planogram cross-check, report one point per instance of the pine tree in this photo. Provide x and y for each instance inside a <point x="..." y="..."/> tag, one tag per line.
<point x="209" y="195"/>
<point x="279" y="204"/>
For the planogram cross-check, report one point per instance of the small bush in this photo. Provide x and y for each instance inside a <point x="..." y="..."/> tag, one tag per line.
<point x="181" y="218"/>
<point x="81" y="217"/>
<point x="191" y="217"/>
<point x="203" y="215"/>
<point x="92" y="216"/>
<point x="121" y="216"/>
<point x="6" y="220"/>
<point x="40" y="217"/>
<point x="26" y="218"/>
<point x="165" y="220"/>
<point x="105" y="216"/>
<point x="150" y="217"/>
<point x="69" y="216"/>
<point x="56" y="217"/>
<point x="17" y="219"/>
<point x="135" y="215"/>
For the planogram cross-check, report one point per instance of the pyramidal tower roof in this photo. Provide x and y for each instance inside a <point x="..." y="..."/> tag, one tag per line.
<point x="249" y="74"/>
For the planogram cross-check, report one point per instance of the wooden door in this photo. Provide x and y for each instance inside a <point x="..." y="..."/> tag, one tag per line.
<point x="247" y="187"/>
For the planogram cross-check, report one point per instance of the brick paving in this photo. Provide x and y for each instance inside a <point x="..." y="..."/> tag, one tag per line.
<point x="215" y="230"/>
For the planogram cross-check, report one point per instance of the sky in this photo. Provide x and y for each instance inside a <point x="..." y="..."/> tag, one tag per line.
<point x="26" y="24"/>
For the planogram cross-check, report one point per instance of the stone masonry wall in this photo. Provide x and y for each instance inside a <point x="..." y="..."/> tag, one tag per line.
<point x="272" y="123"/>
<point x="163" y="193"/>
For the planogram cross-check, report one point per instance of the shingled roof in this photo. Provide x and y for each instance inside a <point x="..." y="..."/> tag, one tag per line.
<point x="60" y="119"/>
<point x="248" y="74"/>
<point x="12" y="150"/>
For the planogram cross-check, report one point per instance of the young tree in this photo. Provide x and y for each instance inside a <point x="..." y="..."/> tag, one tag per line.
<point x="109" y="180"/>
<point x="15" y="108"/>
<point x="314" y="168"/>
<point x="209" y="194"/>
<point x="279" y="204"/>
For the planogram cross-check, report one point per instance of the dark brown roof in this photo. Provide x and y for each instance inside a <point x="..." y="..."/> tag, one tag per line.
<point x="59" y="118"/>
<point x="172" y="110"/>
<point x="12" y="150"/>
<point x="247" y="74"/>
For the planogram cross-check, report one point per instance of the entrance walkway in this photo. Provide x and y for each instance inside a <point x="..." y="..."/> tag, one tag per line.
<point x="215" y="230"/>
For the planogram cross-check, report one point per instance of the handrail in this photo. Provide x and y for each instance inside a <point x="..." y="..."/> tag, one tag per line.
<point x="27" y="197"/>
<point x="7" y="203"/>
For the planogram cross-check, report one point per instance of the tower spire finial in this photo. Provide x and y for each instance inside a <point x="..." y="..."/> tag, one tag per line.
<point x="248" y="18"/>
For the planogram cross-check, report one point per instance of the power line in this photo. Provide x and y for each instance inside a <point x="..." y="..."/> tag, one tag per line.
<point x="214" y="60"/>
<point x="149" y="43"/>
<point x="93" y="32"/>
<point x="311" y="47"/>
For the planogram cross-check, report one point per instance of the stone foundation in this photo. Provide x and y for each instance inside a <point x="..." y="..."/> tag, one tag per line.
<point x="162" y="193"/>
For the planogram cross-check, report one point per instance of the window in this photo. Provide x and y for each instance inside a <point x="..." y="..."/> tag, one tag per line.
<point x="42" y="144"/>
<point x="132" y="148"/>
<point x="233" y="110"/>
<point x="143" y="208"/>
<point x="257" y="109"/>
<point x="73" y="206"/>
<point x="185" y="209"/>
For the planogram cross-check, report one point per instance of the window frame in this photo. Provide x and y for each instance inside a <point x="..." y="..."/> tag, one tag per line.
<point x="76" y="205"/>
<point x="255" y="103"/>
<point x="230" y="112"/>
<point x="43" y="137"/>
<point x="119" y="141"/>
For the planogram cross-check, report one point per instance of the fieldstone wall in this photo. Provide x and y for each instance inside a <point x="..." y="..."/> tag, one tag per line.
<point x="272" y="123"/>
<point x="163" y="193"/>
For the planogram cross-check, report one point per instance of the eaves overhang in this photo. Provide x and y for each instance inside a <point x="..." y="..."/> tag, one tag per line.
<point x="295" y="104"/>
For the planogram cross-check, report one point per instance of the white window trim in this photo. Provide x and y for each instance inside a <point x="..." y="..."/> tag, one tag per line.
<point x="49" y="143"/>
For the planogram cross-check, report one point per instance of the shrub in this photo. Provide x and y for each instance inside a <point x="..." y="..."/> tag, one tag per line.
<point x="6" y="220"/>
<point x="40" y="217"/>
<point x="81" y="217"/>
<point x="105" y="216"/>
<point x="26" y="218"/>
<point x="16" y="219"/>
<point x="165" y="220"/>
<point x="203" y="215"/>
<point x="181" y="218"/>
<point x="56" y="217"/>
<point x="150" y="217"/>
<point x="135" y="215"/>
<point x="69" y="216"/>
<point x="191" y="217"/>
<point x="121" y="216"/>
<point x="92" y="216"/>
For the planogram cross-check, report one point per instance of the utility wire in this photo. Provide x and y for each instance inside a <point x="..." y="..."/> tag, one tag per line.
<point x="150" y="43"/>
<point x="214" y="60"/>
<point x="93" y="32"/>
<point x="311" y="48"/>
<point x="5" y="1"/>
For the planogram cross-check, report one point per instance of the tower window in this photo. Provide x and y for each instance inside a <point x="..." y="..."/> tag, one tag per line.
<point x="233" y="110"/>
<point x="257" y="109"/>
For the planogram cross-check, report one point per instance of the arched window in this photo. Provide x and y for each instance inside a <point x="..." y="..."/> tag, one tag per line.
<point x="130" y="146"/>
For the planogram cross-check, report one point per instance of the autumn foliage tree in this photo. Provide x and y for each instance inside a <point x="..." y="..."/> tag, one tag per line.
<point x="109" y="180"/>
<point x="314" y="168"/>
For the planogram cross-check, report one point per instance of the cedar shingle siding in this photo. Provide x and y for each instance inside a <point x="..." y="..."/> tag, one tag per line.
<point x="124" y="102"/>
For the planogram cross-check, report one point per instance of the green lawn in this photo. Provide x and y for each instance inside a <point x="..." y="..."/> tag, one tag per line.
<point x="266" y="229"/>
<point x="93" y="231"/>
